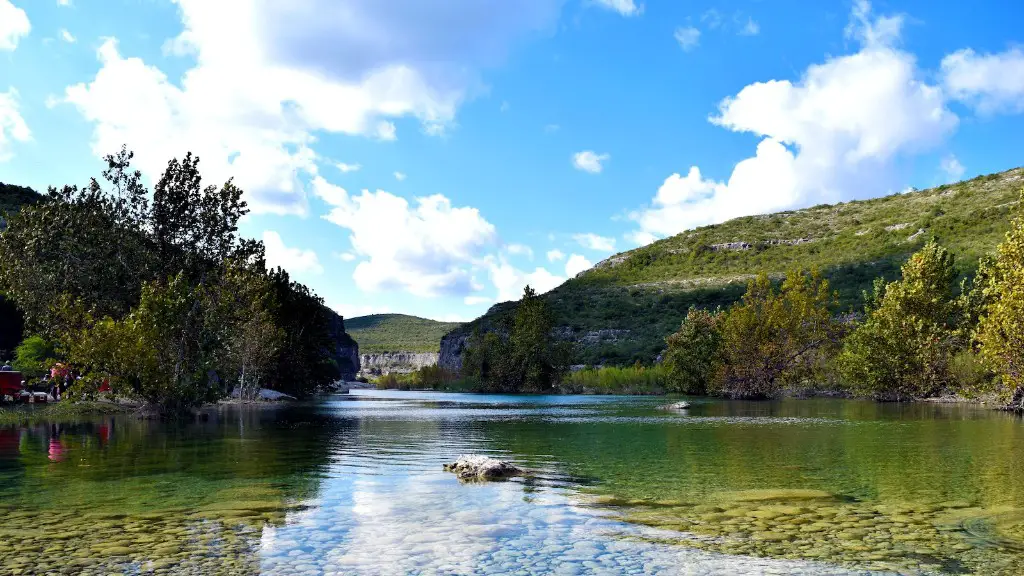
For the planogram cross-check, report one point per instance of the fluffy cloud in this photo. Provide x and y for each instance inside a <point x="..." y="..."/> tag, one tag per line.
<point x="428" y="248"/>
<point x="520" y="250"/>
<point x="294" y="260"/>
<point x="688" y="37"/>
<point x="750" y="28"/>
<point x="347" y="257"/>
<point x="624" y="7"/>
<point x="400" y="176"/>
<point x="577" y="264"/>
<point x="12" y="126"/>
<point x="261" y="88"/>
<point x="14" y="25"/>
<point x="828" y="136"/>
<point x="346" y="168"/>
<point x="595" y="242"/>
<point x="555" y="255"/>
<point x="510" y="280"/>
<point x="66" y="36"/>
<point x="989" y="82"/>
<point x="589" y="161"/>
<point x="952" y="167"/>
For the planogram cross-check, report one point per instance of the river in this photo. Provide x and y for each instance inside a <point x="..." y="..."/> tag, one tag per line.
<point x="353" y="484"/>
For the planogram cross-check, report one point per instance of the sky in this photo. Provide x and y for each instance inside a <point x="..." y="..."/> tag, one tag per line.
<point x="432" y="157"/>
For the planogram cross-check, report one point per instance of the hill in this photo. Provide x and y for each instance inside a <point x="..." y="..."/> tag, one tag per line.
<point x="397" y="333"/>
<point x="621" y="310"/>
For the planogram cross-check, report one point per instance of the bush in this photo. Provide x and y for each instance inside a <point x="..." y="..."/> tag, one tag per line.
<point x="34" y="356"/>
<point x="903" y="349"/>
<point x="775" y="339"/>
<point x="614" y="380"/>
<point x="693" y="357"/>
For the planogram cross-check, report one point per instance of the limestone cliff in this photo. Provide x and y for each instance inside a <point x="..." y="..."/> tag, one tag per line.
<point x="379" y="363"/>
<point x="346" y="350"/>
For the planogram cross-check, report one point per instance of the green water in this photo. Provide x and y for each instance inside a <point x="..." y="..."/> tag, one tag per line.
<point x="353" y="485"/>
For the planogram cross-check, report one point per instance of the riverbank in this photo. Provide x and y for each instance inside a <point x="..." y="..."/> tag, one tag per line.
<point x="59" y="412"/>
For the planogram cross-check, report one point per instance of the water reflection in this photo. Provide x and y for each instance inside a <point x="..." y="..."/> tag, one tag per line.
<point x="354" y="485"/>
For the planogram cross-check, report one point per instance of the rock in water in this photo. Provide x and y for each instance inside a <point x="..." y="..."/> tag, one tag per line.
<point x="677" y="406"/>
<point x="475" y="467"/>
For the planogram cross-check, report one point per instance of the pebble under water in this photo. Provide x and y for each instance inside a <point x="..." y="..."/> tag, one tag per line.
<point x="354" y="485"/>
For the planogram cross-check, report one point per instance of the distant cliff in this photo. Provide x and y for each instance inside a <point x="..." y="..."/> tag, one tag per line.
<point x="380" y="363"/>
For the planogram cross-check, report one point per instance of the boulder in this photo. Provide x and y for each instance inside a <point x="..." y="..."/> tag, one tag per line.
<point x="476" y="467"/>
<point x="683" y="405"/>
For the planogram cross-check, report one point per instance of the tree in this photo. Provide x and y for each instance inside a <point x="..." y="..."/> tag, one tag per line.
<point x="693" y="357"/>
<point x="904" y="346"/>
<point x="1000" y="332"/>
<point x="773" y="339"/>
<point x="521" y="357"/>
<point x="34" y="356"/>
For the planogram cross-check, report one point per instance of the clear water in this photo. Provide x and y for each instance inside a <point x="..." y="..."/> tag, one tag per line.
<point x="354" y="485"/>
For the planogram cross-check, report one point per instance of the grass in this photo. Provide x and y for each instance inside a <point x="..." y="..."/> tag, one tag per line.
<point x="397" y="333"/>
<point x="56" y="412"/>
<point x="616" y="380"/>
<point x="643" y="294"/>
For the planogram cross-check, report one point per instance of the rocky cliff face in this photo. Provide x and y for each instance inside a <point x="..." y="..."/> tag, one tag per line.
<point x="379" y="363"/>
<point x="346" y="350"/>
<point x="452" y="345"/>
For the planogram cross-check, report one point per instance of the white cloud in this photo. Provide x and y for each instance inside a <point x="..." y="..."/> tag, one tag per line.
<point x="347" y="257"/>
<point x="750" y="28"/>
<point x="828" y="136"/>
<point x="400" y="176"/>
<point x="688" y="37"/>
<point x="477" y="300"/>
<point x="261" y="89"/>
<point x="14" y="25"/>
<point x="624" y="7"/>
<point x="989" y="82"/>
<point x="427" y="249"/>
<point x="510" y="281"/>
<point x="577" y="264"/>
<point x="294" y="260"/>
<point x="63" y="2"/>
<point x="589" y="161"/>
<point x="712" y="17"/>
<point x="12" y="126"/>
<point x="595" y="242"/>
<point x="520" y="250"/>
<point x="346" y="168"/>
<point x="952" y="167"/>
<point x="555" y="255"/>
<point x="66" y="36"/>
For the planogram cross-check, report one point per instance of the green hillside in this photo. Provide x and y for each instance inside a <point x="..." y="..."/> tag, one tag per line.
<point x="397" y="333"/>
<point x="639" y="297"/>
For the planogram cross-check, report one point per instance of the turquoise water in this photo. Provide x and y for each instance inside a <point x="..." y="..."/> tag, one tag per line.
<point x="354" y="485"/>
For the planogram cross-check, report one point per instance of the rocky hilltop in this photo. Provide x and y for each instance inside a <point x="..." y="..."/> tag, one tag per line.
<point x="397" y="342"/>
<point x="346" y="349"/>
<point x="620" y="311"/>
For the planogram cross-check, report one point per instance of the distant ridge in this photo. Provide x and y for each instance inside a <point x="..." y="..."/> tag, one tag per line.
<point x="397" y="333"/>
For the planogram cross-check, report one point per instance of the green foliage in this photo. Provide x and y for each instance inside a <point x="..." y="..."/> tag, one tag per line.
<point x="1000" y="332"/>
<point x="397" y="333"/>
<point x="425" y="378"/>
<point x="524" y="357"/>
<point x="163" y="297"/>
<point x="777" y="338"/>
<point x="648" y="291"/>
<point x="34" y="356"/>
<point x="693" y="356"/>
<point x="635" y="379"/>
<point x="903" y="348"/>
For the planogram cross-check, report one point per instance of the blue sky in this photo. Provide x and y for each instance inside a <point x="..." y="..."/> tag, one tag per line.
<point x="432" y="157"/>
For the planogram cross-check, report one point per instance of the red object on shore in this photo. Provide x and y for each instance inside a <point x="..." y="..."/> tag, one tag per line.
<point x="105" y="387"/>
<point x="10" y="384"/>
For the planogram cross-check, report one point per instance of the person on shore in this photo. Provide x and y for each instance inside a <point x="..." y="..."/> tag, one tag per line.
<point x="6" y="367"/>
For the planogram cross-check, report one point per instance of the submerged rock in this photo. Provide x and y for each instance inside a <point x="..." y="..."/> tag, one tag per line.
<point x="676" y="406"/>
<point x="476" y="467"/>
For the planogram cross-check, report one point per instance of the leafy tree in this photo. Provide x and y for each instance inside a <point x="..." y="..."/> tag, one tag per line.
<point x="1000" y="332"/>
<point x="772" y="339"/>
<point x="528" y="359"/>
<point x="693" y="357"/>
<point x="903" y="348"/>
<point x="33" y="356"/>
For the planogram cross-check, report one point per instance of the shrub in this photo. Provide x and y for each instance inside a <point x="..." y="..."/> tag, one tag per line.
<point x="34" y="356"/>
<point x="693" y="357"/>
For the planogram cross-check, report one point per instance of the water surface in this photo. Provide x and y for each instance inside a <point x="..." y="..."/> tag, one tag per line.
<point x="353" y="485"/>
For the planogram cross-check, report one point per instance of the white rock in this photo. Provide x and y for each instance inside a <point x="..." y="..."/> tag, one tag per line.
<point x="476" y="467"/>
